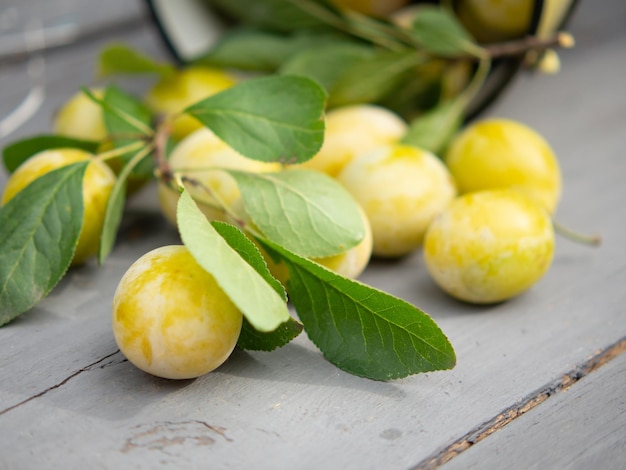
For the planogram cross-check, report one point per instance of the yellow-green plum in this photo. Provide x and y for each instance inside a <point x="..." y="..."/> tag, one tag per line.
<point x="502" y="153"/>
<point x="353" y="130"/>
<point x="97" y="185"/>
<point x="495" y="20"/>
<point x="81" y="118"/>
<point x="401" y="189"/>
<point x="170" y="317"/>
<point x="171" y="95"/>
<point x="200" y="157"/>
<point x="489" y="246"/>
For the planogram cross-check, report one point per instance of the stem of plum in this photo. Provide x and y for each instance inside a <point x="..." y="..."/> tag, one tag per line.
<point x="591" y="240"/>
<point x="120" y="150"/>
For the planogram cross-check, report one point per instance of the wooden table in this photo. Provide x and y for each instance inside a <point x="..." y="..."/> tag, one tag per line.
<point x="540" y="380"/>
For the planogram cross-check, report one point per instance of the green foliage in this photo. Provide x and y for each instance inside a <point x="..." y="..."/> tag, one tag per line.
<point x="239" y="242"/>
<point x="327" y="62"/>
<point x="255" y="340"/>
<point x="115" y="205"/>
<point x="306" y="211"/>
<point x="434" y="130"/>
<point x="370" y="80"/>
<point x="277" y="118"/>
<point x="259" y="302"/>
<point x="250" y="49"/>
<point x="39" y="229"/>
<point x="438" y="30"/>
<point x="127" y="120"/>
<point x="121" y="59"/>
<point x="16" y="153"/>
<point x="277" y="15"/>
<point x="251" y="338"/>
<point x="362" y="330"/>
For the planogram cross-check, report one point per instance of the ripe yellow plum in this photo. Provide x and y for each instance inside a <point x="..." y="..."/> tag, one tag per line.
<point x="171" y="95"/>
<point x="97" y="185"/>
<point x="81" y="118"/>
<point x="502" y="153"/>
<point x="353" y="130"/>
<point x="200" y="156"/>
<point x="171" y="318"/>
<point x="489" y="246"/>
<point x="401" y="189"/>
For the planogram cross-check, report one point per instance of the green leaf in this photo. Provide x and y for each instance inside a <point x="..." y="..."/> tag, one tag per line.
<point x="254" y="340"/>
<point x="250" y="338"/>
<point x="39" y="229"/>
<point x="370" y="80"/>
<point x="276" y="15"/>
<point x="264" y="308"/>
<point x="325" y="63"/>
<point x="360" y="329"/>
<point x="126" y="119"/>
<point x="304" y="210"/>
<point x="115" y="205"/>
<point x="257" y="50"/>
<point x="276" y="118"/>
<point x="438" y="30"/>
<point x="433" y="130"/>
<point x="121" y="59"/>
<point x="239" y="242"/>
<point x="16" y="153"/>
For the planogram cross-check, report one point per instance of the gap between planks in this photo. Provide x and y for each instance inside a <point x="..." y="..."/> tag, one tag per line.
<point x="518" y="409"/>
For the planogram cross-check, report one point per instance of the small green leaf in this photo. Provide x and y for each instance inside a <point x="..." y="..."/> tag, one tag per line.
<point x="246" y="49"/>
<point x="250" y="338"/>
<point x="275" y="15"/>
<point x="115" y="206"/>
<point x="254" y="340"/>
<point x="441" y="33"/>
<point x="39" y="229"/>
<point x="123" y="114"/>
<point x="325" y="63"/>
<point x="239" y="242"/>
<point x="304" y="210"/>
<point x="258" y="50"/>
<point x="360" y="329"/>
<point x="16" y="153"/>
<point x="433" y="130"/>
<point x="258" y="301"/>
<point x="370" y="80"/>
<point x="122" y="125"/>
<point x="276" y="118"/>
<point x="121" y="59"/>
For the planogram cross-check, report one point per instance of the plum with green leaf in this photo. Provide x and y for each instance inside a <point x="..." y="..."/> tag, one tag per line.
<point x="97" y="185"/>
<point x="171" y="318"/>
<point x="352" y="130"/>
<point x="401" y="189"/>
<point x="173" y="93"/>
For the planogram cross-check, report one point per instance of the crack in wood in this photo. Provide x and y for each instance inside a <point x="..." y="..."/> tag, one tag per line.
<point x="597" y="360"/>
<point x="62" y="382"/>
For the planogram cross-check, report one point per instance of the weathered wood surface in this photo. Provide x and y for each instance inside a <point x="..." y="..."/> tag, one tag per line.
<point x="68" y="399"/>
<point x="558" y="435"/>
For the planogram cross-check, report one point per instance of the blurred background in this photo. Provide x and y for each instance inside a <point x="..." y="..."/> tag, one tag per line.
<point x="48" y="50"/>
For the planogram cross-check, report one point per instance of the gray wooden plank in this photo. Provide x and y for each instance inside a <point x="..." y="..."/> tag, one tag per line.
<point x="580" y="428"/>
<point x="290" y="407"/>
